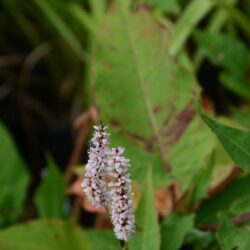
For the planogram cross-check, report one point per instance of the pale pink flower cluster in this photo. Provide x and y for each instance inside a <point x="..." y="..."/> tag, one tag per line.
<point x="94" y="184"/>
<point x="116" y="193"/>
<point x="122" y="214"/>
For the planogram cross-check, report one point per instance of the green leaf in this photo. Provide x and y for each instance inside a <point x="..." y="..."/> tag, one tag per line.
<point x="102" y="240"/>
<point x="50" y="195"/>
<point x="239" y="86"/>
<point x="98" y="8"/>
<point x="168" y="6"/>
<point x="199" y="239"/>
<point x="14" y="179"/>
<point x="235" y="191"/>
<point x="236" y="142"/>
<point x="224" y="50"/>
<point x="192" y="15"/>
<point x="61" y="27"/>
<point x="230" y="54"/>
<point x="173" y="230"/>
<point x="185" y="168"/>
<point x="148" y="237"/>
<point x="242" y="115"/>
<point x="83" y="17"/>
<point x="242" y="20"/>
<point x="230" y="237"/>
<point x="202" y="180"/>
<point x="134" y="69"/>
<point x="240" y="207"/>
<point x="44" y="234"/>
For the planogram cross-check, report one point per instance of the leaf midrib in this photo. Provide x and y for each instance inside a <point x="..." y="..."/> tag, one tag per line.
<point x="141" y="81"/>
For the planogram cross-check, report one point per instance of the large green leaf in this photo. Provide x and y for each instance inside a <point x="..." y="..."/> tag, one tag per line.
<point x="50" y="195"/>
<point x="173" y="230"/>
<point x="147" y="97"/>
<point x="236" y="142"/>
<point x="230" y="237"/>
<point x="148" y="237"/>
<point x="14" y="179"/>
<point x="44" y="235"/>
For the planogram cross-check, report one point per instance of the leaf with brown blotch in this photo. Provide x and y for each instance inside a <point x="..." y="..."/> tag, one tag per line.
<point x="147" y="98"/>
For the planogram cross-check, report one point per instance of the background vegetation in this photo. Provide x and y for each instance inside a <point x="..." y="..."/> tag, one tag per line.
<point x="169" y="78"/>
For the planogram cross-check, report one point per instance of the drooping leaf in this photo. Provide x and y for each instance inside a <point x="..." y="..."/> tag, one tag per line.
<point x="147" y="98"/>
<point x="225" y="51"/>
<point x="44" y="235"/>
<point x="236" y="142"/>
<point x="50" y="195"/>
<point x="148" y="237"/>
<point x="230" y="237"/>
<point x="14" y="179"/>
<point x="230" y="54"/>
<point x="173" y="230"/>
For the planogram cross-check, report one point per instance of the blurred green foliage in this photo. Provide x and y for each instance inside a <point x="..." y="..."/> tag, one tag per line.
<point x="139" y="64"/>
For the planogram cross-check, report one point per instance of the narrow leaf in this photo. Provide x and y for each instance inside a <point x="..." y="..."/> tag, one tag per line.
<point x="60" y="26"/>
<point x="50" y="195"/>
<point x="148" y="237"/>
<point x="191" y="16"/>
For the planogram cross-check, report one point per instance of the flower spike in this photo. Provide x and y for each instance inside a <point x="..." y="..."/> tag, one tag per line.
<point x="122" y="214"/>
<point x="93" y="183"/>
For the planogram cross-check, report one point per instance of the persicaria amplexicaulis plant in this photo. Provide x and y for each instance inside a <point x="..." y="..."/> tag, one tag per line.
<point x="107" y="182"/>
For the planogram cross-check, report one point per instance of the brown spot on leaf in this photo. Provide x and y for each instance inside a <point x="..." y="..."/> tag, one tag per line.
<point x="112" y="48"/>
<point x="107" y="65"/>
<point x="140" y="6"/>
<point x="149" y="146"/>
<point x="182" y="120"/>
<point x="148" y="142"/>
<point x="114" y="122"/>
<point x="157" y="109"/>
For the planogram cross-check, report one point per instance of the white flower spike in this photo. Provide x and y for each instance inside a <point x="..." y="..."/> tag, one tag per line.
<point x="115" y="195"/>
<point x="93" y="183"/>
<point x="122" y="214"/>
